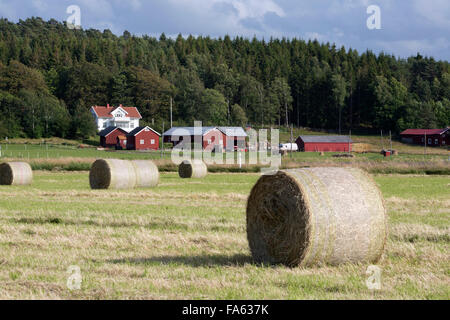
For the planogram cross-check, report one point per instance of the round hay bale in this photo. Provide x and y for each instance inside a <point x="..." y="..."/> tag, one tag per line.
<point x="192" y="169"/>
<point x="15" y="173"/>
<point x="147" y="173"/>
<point x="112" y="174"/>
<point x="315" y="216"/>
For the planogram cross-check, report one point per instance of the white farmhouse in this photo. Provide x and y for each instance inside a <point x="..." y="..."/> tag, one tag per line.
<point x="126" y="118"/>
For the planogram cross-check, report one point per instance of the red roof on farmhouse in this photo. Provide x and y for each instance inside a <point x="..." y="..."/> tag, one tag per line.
<point x="105" y="112"/>
<point x="423" y="131"/>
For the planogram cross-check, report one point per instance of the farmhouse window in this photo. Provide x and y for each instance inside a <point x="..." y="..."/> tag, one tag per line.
<point x="209" y="141"/>
<point x="142" y="141"/>
<point x="429" y="140"/>
<point x="436" y="141"/>
<point x="152" y="141"/>
<point x="104" y="124"/>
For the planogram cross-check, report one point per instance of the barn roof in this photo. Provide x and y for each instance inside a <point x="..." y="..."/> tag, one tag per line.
<point x="422" y="132"/>
<point x="136" y="130"/>
<point x="107" y="131"/>
<point x="105" y="112"/>
<point x="233" y="131"/>
<point x="186" y="131"/>
<point x="326" y="139"/>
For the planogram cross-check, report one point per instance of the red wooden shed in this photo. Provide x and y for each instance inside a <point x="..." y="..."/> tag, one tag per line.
<point x="226" y="138"/>
<point x="108" y="136"/>
<point x="434" y="137"/>
<point x="324" y="143"/>
<point x="143" y="138"/>
<point x="234" y="138"/>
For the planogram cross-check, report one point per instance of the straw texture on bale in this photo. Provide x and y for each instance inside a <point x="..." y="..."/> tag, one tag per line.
<point x="192" y="169"/>
<point x="147" y="174"/>
<point x="15" y="173"/>
<point x="112" y="174"/>
<point x="315" y="216"/>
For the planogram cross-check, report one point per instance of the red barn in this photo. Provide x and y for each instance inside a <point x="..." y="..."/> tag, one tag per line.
<point x="234" y="135"/>
<point x="209" y="136"/>
<point x="108" y="136"/>
<point x="435" y="137"/>
<point x="143" y="138"/>
<point x="324" y="143"/>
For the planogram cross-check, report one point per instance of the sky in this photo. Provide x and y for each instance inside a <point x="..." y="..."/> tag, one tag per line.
<point x="407" y="27"/>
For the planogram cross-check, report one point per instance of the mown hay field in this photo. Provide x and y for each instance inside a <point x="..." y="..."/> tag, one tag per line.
<point x="187" y="239"/>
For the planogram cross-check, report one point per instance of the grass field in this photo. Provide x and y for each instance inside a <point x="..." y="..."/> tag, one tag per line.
<point x="187" y="239"/>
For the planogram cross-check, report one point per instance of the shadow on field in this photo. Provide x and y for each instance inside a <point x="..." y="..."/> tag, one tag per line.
<point x="236" y="260"/>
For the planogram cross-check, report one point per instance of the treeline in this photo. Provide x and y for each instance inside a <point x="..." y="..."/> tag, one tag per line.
<point x="50" y="76"/>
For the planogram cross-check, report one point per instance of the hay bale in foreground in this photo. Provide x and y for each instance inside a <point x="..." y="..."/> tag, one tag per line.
<point x="310" y="216"/>
<point x="192" y="169"/>
<point x="15" y="173"/>
<point x="112" y="174"/>
<point x="147" y="173"/>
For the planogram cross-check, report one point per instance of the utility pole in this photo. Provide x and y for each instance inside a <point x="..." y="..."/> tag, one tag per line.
<point x="287" y="116"/>
<point x="349" y="139"/>
<point x="292" y="138"/>
<point x="425" y="145"/>
<point x="171" y="105"/>
<point x="339" y="120"/>
<point x="162" y="142"/>
<point x="382" y="143"/>
<point x="229" y="112"/>
<point x="390" y="139"/>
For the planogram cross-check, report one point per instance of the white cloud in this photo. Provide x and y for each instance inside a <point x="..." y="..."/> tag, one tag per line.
<point x="244" y="8"/>
<point x="255" y="8"/>
<point x="40" y="5"/>
<point x="435" y="11"/>
<point x="411" y="47"/>
<point x="315" y="36"/>
<point x="135" y="4"/>
<point x="8" y="10"/>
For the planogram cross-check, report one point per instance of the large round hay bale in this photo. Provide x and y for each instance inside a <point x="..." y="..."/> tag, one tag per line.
<point x="15" y="173"/>
<point x="311" y="216"/>
<point x="147" y="174"/>
<point x="192" y="169"/>
<point x="112" y="174"/>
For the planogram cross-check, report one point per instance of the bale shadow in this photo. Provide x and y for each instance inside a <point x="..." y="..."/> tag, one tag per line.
<point x="237" y="260"/>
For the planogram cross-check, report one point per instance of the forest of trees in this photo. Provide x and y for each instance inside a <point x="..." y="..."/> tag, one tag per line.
<point x="50" y="76"/>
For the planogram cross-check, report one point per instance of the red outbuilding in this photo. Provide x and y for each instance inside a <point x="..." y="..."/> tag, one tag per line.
<point x="324" y="143"/>
<point x="434" y="137"/>
<point x="108" y="136"/>
<point x="212" y="138"/>
<point x="143" y="138"/>
<point x="234" y="138"/>
<point x="225" y="138"/>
